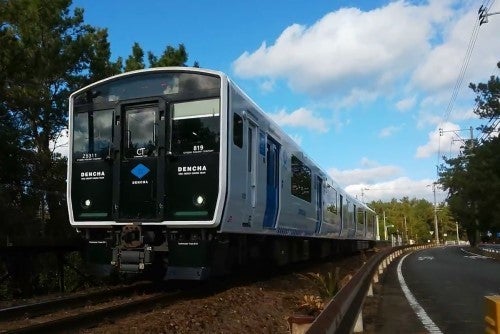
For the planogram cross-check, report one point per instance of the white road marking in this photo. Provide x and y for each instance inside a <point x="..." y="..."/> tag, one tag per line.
<point x="421" y="258"/>
<point x="474" y="255"/>
<point x="419" y="311"/>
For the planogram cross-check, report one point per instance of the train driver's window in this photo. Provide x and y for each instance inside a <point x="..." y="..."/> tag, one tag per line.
<point x="196" y="126"/>
<point x="238" y="130"/>
<point x="92" y="142"/>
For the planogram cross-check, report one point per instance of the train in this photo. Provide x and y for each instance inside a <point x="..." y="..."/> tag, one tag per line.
<point x="177" y="173"/>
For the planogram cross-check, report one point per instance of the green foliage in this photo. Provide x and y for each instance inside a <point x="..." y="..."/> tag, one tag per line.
<point x="328" y="285"/>
<point x="170" y="57"/>
<point x="136" y="60"/>
<point x="419" y="215"/>
<point x="101" y="66"/>
<point x="473" y="178"/>
<point x="46" y="53"/>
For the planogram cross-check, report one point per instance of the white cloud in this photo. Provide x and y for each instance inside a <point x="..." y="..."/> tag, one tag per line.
<point x="440" y="70"/>
<point x="267" y="86"/>
<point x="388" y="131"/>
<point x="406" y="104"/>
<point x="353" y="56"/>
<point x="367" y="163"/>
<point x="348" y="52"/>
<point x="372" y="174"/>
<point x="301" y="117"/>
<point x="374" y="182"/>
<point x="397" y="188"/>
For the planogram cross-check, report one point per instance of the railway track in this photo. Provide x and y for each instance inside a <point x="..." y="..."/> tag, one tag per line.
<point x="70" y="315"/>
<point x="90" y="310"/>
<point x="83" y="311"/>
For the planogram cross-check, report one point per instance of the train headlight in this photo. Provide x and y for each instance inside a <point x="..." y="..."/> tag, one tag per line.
<point x="86" y="203"/>
<point x="199" y="200"/>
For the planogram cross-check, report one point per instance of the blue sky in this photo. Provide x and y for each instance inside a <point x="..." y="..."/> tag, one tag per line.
<point x="362" y="86"/>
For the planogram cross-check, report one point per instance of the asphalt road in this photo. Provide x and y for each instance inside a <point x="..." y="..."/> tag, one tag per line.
<point x="450" y="283"/>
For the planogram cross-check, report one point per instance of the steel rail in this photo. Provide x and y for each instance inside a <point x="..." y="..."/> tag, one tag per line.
<point x="52" y="305"/>
<point x="93" y="318"/>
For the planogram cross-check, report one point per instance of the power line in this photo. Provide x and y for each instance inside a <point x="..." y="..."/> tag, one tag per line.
<point x="463" y="70"/>
<point x="481" y="18"/>
<point x="491" y="127"/>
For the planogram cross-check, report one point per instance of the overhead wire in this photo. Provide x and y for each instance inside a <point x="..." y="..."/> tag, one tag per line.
<point x="492" y="126"/>
<point x="463" y="69"/>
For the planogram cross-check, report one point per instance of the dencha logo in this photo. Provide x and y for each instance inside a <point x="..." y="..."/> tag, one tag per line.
<point x="192" y="170"/>
<point x="140" y="171"/>
<point x="94" y="175"/>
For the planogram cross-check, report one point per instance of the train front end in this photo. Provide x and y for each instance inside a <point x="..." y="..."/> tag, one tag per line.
<point x="144" y="169"/>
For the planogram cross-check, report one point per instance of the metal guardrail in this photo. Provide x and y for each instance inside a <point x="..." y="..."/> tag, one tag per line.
<point x="343" y="314"/>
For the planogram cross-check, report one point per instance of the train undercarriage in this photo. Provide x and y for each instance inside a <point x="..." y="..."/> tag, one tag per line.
<point x="198" y="254"/>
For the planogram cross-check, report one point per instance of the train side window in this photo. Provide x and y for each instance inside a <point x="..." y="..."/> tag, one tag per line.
<point x="238" y="130"/>
<point x="361" y="216"/>
<point x="331" y="199"/>
<point x="301" y="179"/>
<point x="250" y="148"/>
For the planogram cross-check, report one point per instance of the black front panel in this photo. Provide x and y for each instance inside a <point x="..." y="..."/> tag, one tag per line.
<point x="92" y="176"/>
<point x="91" y="190"/>
<point x="192" y="176"/>
<point x="138" y="181"/>
<point x="192" y="186"/>
<point x="138" y="189"/>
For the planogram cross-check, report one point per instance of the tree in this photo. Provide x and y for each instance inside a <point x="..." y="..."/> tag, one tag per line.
<point x="46" y="53"/>
<point x="170" y="57"/>
<point x="136" y="60"/>
<point x="417" y="212"/>
<point x="488" y="102"/>
<point x="101" y="66"/>
<point x="473" y="178"/>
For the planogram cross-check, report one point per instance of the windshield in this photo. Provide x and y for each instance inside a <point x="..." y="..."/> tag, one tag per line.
<point x="172" y="85"/>
<point x="140" y="131"/>
<point x="92" y="134"/>
<point x="195" y="127"/>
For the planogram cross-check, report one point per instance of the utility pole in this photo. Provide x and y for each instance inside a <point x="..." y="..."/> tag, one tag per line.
<point x="483" y="14"/>
<point x="385" y="228"/>
<point x="436" y="231"/>
<point x="457" y="134"/>
<point x="406" y="232"/>
<point x="377" y="237"/>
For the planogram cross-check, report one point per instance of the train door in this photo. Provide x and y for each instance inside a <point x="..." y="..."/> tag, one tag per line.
<point x="319" y="203"/>
<point x="139" y="187"/>
<point x="272" y="183"/>
<point x="341" y="214"/>
<point x="251" y="165"/>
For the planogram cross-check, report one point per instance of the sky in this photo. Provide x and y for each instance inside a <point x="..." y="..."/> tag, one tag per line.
<point x="362" y="86"/>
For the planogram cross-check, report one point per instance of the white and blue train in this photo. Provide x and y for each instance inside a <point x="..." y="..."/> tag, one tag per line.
<point x="176" y="171"/>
